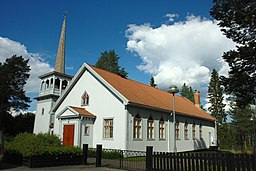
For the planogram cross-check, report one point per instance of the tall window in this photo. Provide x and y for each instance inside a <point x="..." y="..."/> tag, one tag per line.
<point x="85" y="99"/>
<point x="86" y="130"/>
<point x="150" y="128"/>
<point x="42" y="86"/>
<point x="177" y="130"/>
<point x="200" y="132"/>
<point x="186" y="131"/>
<point x="108" y="128"/>
<point x="161" y="129"/>
<point x="42" y="113"/>
<point x="194" y="131"/>
<point x="137" y="128"/>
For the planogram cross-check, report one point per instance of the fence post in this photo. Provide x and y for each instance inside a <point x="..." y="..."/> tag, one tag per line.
<point x="85" y="153"/>
<point x="98" y="155"/>
<point x="149" y="158"/>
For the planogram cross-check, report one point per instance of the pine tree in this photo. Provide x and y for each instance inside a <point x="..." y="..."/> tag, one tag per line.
<point x="242" y="124"/>
<point x="152" y="82"/>
<point x="191" y="94"/>
<point x="187" y="91"/>
<point x="14" y="73"/>
<point x="237" y="20"/>
<point x="215" y="96"/>
<point x="109" y="61"/>
<point x="184" y="90"/>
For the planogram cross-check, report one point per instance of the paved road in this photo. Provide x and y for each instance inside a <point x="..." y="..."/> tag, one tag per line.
<point x="6" y="166"/>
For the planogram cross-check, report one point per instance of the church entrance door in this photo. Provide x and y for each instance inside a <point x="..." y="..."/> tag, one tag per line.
<point x="68" y="135"/>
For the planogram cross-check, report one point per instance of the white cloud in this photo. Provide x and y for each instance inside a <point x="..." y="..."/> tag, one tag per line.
<point x="171" y="17"/>
<point x="182" y="52"/>
<point x="38" y="67"/>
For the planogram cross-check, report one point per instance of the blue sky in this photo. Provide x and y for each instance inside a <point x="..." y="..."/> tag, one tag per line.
<point x="135" y="29"/>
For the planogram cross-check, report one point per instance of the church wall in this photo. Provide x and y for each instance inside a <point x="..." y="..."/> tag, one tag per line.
<point x="42" y="121"/>
<point x="182" y="144"/>
<point x="103" y="104"/>
<point x="140" y="144"/>
<point x="87" y="138"/>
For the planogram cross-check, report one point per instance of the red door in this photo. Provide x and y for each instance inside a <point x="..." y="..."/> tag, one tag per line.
<point x="68" y="135"/>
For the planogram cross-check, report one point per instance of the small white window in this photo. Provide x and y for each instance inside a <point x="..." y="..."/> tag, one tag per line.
<point x="161" y="129"/>
<point x="200" y="132"/>
<point x="108" y="128"/>
<point x="194" y="131"/>
<point x="86" y="130"/>
<point x="42" y="113"/>
<point x="177" y="130"/>
<point x="85" y="99"/>
<point x="150" y="128"/>
<point x="186" y="131"/>
<point x="137" y="133"/>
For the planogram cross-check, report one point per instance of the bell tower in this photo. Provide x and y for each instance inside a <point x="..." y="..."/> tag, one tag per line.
<point x="52" y="86"/>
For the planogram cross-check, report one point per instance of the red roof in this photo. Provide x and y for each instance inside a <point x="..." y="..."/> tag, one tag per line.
<point x="146" y="95"/>
<point x="82" y="111"/>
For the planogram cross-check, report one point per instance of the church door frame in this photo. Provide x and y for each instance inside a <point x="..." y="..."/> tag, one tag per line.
<point x="68" y="135"/>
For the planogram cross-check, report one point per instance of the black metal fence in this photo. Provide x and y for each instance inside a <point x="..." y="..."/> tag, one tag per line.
<point x="200" y="161"/>
<point x="150" y="160"/>
<point x="114" y="158"/>
<point x="134" y="160"/>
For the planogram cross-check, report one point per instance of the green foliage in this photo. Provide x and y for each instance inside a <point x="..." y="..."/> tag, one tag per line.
<point x="14" y="73"/>
<point x="18" y="124"/>
<point x="109" y="61"/>
<point x="237" y="20"/>
<point x="152" y="82"/>
<point x="91" y="152"/>
<point x="187" y="91"/>
<point x="227" y="136"/>
<point x="39" y="145"/>
<point x="215" y="96"/>
<point x="113" y="154"/>
<point x="184" y="90"/>
<point x="243" y="125"/>
<point x="106" y="154"/>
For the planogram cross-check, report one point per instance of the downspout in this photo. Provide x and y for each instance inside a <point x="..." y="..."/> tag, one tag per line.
<point x="60" y="131"/>
<point x="79" y="132"/>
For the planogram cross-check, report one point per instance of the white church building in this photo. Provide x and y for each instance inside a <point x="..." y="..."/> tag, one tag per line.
<point x="99" y="107"/>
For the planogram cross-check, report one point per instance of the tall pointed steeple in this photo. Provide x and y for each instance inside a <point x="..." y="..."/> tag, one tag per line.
<point x="60" y="59"/>
<point x="52" y="86"/>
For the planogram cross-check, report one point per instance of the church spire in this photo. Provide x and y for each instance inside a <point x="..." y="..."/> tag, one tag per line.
<point x="60" y="59"/>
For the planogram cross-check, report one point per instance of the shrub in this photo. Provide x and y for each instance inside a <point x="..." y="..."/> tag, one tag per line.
<point x="106" y="153"/>
<point x="29" y="145"/>
<point x="91" y="152"/>
<point x="111" y="154"/>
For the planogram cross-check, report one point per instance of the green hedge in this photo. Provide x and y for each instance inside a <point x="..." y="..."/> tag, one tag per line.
<point x="106" y="154"/>
<point x="29" y="145"/>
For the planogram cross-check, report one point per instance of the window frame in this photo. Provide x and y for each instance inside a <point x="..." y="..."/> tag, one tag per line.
<point x="86" y="130"/>
<point x="108" y="128"/>
<point x="85" y="99"/>
<point x="150" y="129"/>
<point x="200" y="132"/>
<point x="161" y="129"/>
<point x="177" y="130"/>
<point x="186" y="136"/>
<point x="42" y="112"/>
<point x="137" y="128"/>
<point x="194" y="131"/>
